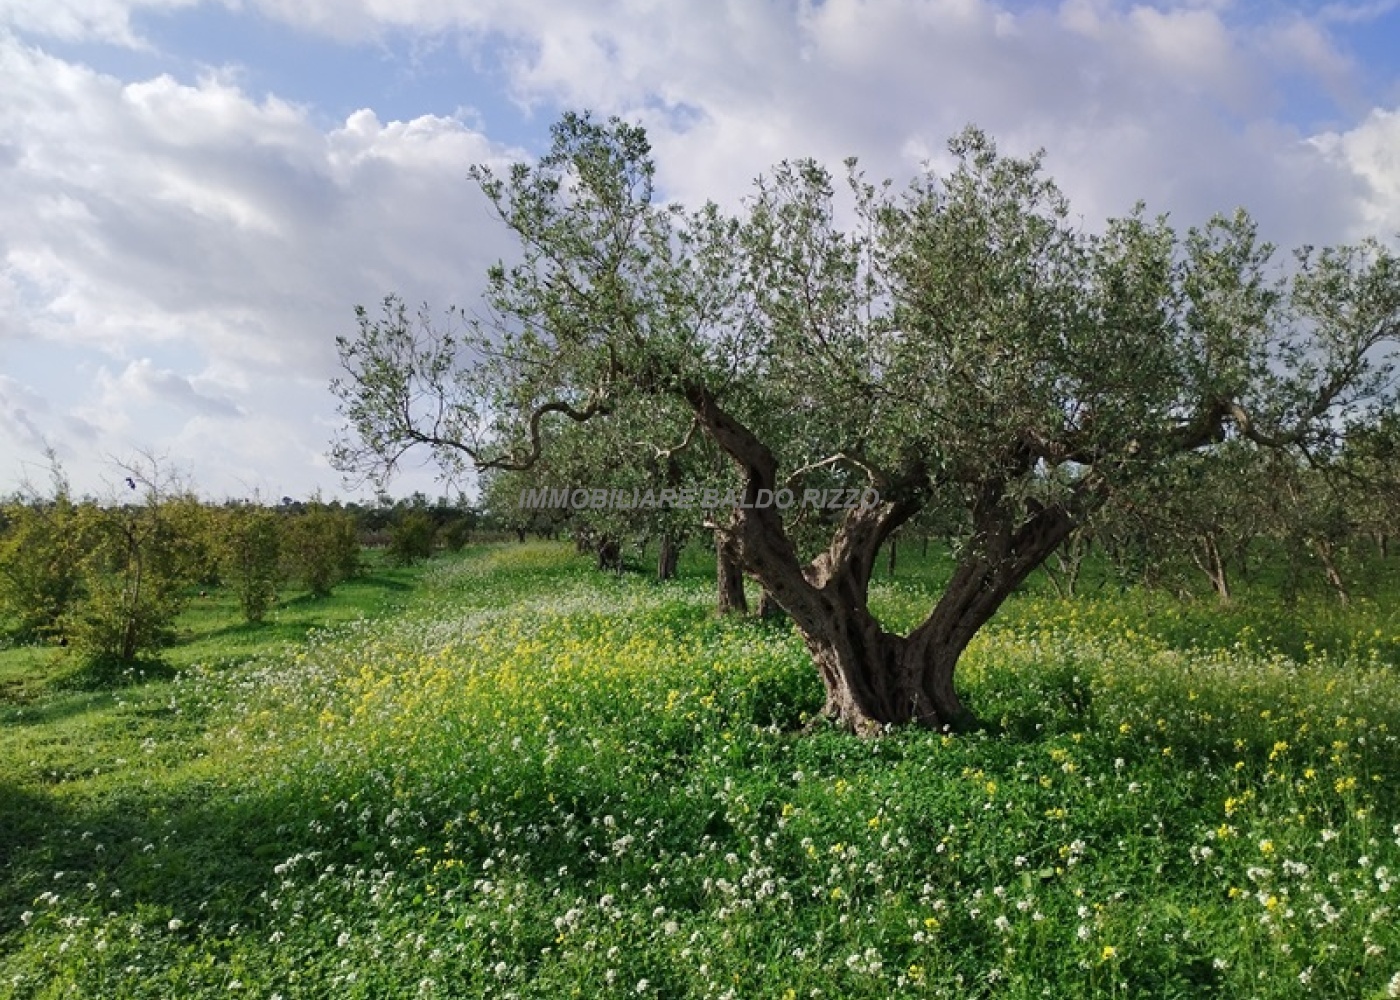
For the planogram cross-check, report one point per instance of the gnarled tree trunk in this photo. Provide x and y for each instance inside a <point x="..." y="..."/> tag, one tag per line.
<point x="609" y="552"/>
<point x="730" y="578"/>
<point x="874" y="678"/>
<point x="667" y="557"/>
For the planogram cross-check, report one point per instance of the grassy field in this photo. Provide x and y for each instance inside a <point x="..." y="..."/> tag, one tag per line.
<point x="531" y="780"/>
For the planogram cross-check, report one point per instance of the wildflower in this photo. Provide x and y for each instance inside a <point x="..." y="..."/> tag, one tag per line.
<point x="1108" y="952"/>
<point x="175" y="923"/>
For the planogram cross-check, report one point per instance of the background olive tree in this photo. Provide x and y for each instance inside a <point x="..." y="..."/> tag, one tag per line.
<point x="139" y="554"/>
<point x="320" y="547"/>
<point x="40" y="559"/>
<point x="250" y="556"/>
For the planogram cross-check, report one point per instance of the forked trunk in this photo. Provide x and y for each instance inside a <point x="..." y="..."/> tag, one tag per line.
<point x="875" y="679"/>
<point x="1210" y="562"/>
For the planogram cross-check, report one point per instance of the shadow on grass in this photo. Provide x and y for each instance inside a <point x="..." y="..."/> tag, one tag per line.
<point x="109" y="673"/>
<point x="190" y="848"/>
<point x="257" y="635"/>
<point x="26" y="817"/>
<point x="54" y="708"/>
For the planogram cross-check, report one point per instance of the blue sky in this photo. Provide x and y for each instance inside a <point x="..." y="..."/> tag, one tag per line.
<point x="195" y="195"/>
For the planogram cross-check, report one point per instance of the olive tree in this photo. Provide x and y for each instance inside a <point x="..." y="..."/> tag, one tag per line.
<point x="40" y="560"/>
<point x="961" y="346"/>
<point x="320" y="547"/>
<point x="250" y="556"/>
<point x="140" y="553"/>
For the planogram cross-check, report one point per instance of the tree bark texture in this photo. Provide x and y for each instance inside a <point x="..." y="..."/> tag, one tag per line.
<point x="667" y="557"/>
<point x="730" y="583"/>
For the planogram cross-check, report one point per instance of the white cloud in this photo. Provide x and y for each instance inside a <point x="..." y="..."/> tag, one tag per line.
<point x="1131" y="100"/>
<point x="195" y="249"/>
<point x="1370" y="152"/>
<point x="82" y="20"/>
<point x="159" y="228"/>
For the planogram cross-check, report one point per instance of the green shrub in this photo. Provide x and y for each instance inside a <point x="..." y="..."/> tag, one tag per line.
<point x="321" y="548"/>
<point x="411" y="539"/>
<point x="135" y="566"/>
<point x="251" y="558"/>
<point x="40" y="576"/>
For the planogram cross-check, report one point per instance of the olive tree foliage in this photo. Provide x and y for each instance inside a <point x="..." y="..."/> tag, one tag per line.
<point x="140" y="553"/>
<point x="250" y="556"/>
<point x="320" y="547"/>
<point x="40" y="571"/>
<point x="961" y="346"/>
<point x="1373" y="462"/>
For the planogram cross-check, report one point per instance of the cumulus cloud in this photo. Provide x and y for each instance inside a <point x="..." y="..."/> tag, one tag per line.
<point x="153" y="219"/>
<point x="84" y="20"/>
<point x="142" y="381"/>
<point x="1370" y="153"/>
<point x="1177" y="104"/>
<point x="196" y="247"/>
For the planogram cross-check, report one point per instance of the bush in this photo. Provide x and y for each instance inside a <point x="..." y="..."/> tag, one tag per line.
<point x="411" y="539"/>
<point x="251" y="558"/>
<point x="456" y="533"/>
<point x="40" y="576"/>
<point x="134" y="567"/>
<point x="321" y="548"/>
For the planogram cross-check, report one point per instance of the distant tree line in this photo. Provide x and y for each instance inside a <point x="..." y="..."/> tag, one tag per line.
<point x="107" y="579"/>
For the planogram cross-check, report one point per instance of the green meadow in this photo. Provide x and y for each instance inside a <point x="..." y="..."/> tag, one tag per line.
<point x="504" y="774"/>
